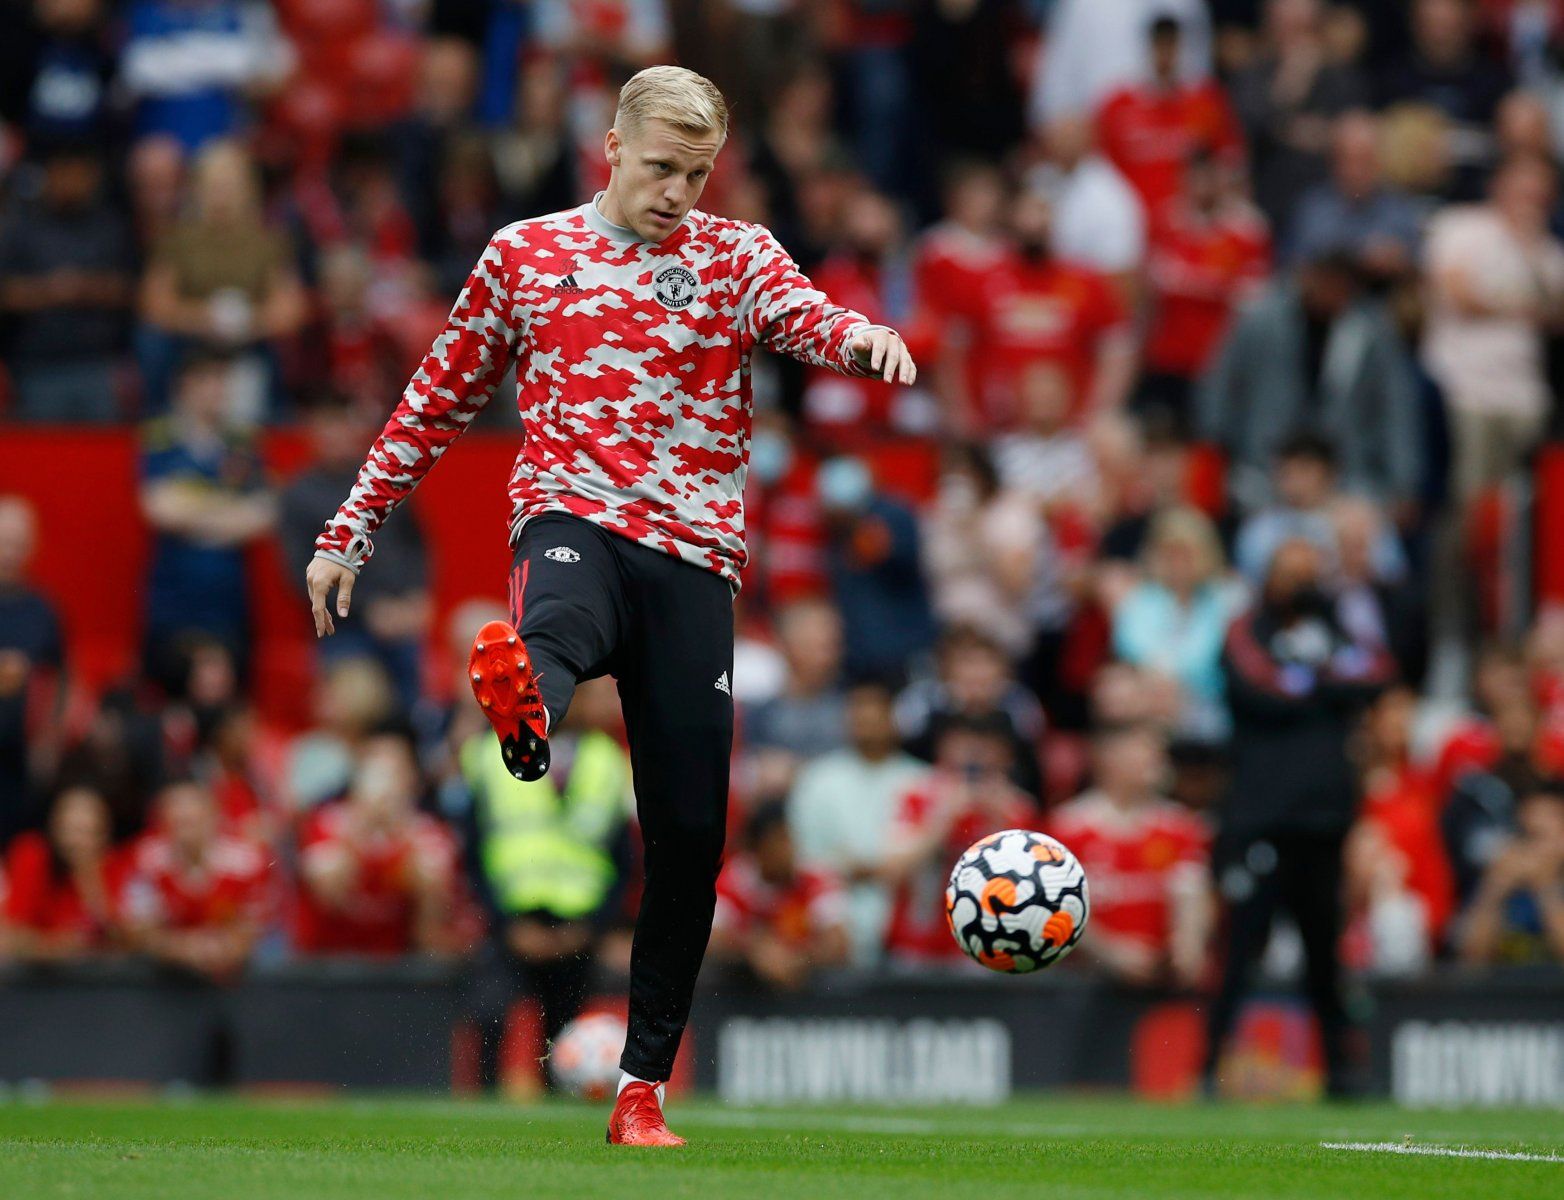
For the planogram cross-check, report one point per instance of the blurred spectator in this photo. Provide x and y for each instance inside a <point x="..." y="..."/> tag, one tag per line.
<point x="219" y="278"/>
<point x="1472" y="742"/>
<point x="981" y="544"/>
<point x="974" y="682"/>
<point x="804" y="720"/>
<point x="952" y="263"/>
<point x="203" y="493"/>
<point x="967" y="78"/>
<point x="1305" y="492"/>
<point x="1399" y="889"/>
<point x="1444" y="69"/>
<point x="1313" y="354"/>
<point x="1146" y="858"/>
<point x="534" y="159"/>
<point x="1286" y="100"/>
<point x="868" y="271"/>
<point x="791" y="151"/>
<point x="56" y="70"/>
<point x="1296" y="683"/>
<point x="356" y="337"/>
<point x="1355" y="212"/>
<point x="442" y="106"/>
<point x="32" y="665"/>
<point x="1046" y="459"/>
<point x="784" y="523"/>
<point x="546" y="859"/>
<point x="1210" y="252"/>
<point x="1096" y="46"/>
<point x="391" y="610"/>
<point x="1157" y="480"/>
<point x="842" y="806"/>
<point x="1098" y="220"/>
<point x="195" y="898"/>
<point x="1151" y="129"/>
<point x="376" y="876"/>
<point x="1496" y="289"/>
<point x="228" y="763"/>
<point x="1523" y="126"/>
<point x="61" y="888"/>
<point x="1480" y="811"/>
<point x="876" y="85"/>
<point x="872" y="556"/>
<point x="1041" y="308"/>
<point x="1516" y="913"/>
<point x="967" y="796"/>
<point x="65" y="282"/>
<point x="155" y="180"/>
<point x="353" y="698"/>
<point x="1173" y="623"/>
<point x="1379" y="601"/>
<point x="192" y="66"/>
<point x="778" y="921"/>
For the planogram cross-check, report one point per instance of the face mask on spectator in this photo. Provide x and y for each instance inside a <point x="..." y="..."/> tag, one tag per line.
<point x="844" y="484"/>
<point x="770" y="456"/>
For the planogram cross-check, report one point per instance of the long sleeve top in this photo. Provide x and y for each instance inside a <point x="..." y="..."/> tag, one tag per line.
<point x="632" y="377"/>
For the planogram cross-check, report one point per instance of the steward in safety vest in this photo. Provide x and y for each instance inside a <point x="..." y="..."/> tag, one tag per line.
<point x="548" y="847"/>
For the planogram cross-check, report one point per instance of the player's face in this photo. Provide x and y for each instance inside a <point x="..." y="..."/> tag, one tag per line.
<point x="659" y="172"/>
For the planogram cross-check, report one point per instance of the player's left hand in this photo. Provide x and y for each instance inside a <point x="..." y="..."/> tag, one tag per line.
<point x="883" y="351"/>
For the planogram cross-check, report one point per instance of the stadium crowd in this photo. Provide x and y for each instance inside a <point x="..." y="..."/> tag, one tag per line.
<point x="1237" y="321"/>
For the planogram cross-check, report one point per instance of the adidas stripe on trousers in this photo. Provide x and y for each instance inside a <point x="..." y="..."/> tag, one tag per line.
<point x="588" y="603"/>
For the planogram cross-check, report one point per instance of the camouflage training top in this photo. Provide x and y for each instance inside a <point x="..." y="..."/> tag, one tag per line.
<point x="632" y="376"/>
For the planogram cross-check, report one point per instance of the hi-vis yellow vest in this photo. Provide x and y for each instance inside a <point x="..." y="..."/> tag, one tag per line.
<point x="543" y="848"/>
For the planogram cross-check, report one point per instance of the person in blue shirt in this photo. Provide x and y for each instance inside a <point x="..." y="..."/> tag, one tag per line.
<point x="204" y="495"/>
<point x="192" y="65"/>
<point x="874" y="564"/>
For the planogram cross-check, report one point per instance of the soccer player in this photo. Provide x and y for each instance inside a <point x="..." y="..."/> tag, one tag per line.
<point x="630" y="320"/>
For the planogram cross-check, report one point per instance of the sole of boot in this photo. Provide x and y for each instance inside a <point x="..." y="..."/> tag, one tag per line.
<point x="501" y="673"/>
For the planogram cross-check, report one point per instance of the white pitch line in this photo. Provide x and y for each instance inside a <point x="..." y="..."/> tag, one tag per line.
<point x="1443" y="1151"/>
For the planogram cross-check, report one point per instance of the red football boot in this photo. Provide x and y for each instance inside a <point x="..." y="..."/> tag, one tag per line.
<point x="638" y="1119"/>
<point x="507" y="690"/>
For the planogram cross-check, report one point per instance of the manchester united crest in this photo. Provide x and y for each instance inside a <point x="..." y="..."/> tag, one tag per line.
<point x="674" y="286"/>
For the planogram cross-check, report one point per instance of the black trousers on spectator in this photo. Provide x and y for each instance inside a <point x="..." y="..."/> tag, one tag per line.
<point x="588" y="603"/>
<point x="1301" y="872"/>
<point x="560" y="988"/>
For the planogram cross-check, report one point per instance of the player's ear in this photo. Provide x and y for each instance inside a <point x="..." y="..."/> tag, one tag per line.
<point x="612" y="147"/>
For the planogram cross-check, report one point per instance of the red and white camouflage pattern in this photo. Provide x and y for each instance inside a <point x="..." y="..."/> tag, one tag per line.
<point x="632" y="368"/>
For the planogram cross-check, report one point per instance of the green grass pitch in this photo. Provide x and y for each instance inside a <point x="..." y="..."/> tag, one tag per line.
<point x="1053" y="1149"/>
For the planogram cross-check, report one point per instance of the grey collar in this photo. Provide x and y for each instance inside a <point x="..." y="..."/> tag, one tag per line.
<point x="596" y="220"/>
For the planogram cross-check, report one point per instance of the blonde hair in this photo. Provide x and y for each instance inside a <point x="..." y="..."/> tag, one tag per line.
<point x="1190" y="527"/>
<point x="674" y="94"/>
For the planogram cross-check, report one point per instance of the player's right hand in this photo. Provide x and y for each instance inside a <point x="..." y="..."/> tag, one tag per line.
<point x="321" y="577"/>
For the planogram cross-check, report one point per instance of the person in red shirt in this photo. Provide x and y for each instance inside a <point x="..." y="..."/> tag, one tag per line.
<point x="778" y="920"/>
<point x="195" y="898"/>
<point x="1501" y="684"/>
<point x="1146" y="859"/>
<point x="868" y="273"/>
<point x="59" y="888"/>
<point x="1400" y="889"/>
<point x="953" y="262"/>
<point x="376" y="876"/>
<point x="1209" y="249"/>
<point x="1038" y="308"/>
<point x="1149" y="130"/>
<point x="967" y="796"/>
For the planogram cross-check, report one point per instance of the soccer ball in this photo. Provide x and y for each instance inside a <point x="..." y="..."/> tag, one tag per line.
<point x="585" y="1056"/>
<point x="1017" y="901"/>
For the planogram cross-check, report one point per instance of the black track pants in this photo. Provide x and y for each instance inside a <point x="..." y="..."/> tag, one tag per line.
<point x="590" y="603"/>
<point x="1301" y="873"/>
